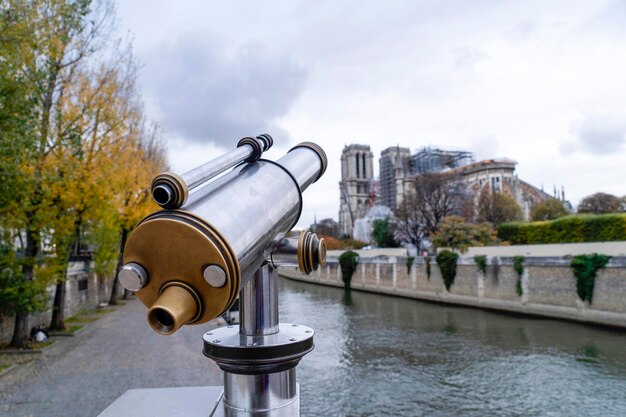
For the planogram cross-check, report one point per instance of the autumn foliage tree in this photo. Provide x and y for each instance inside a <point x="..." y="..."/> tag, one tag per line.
<point x="84" y="151"/>
<point x="548" y="210"/>
<point x="498" y="208"/>
<point x="43" y="50"/>
<point x="600" y="203"/>
<point x="455" y="233"/>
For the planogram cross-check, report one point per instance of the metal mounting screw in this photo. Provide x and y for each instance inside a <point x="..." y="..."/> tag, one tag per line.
<point x="214" y="275"/>
<point x="216" y="341"/>
<point x="293" y="339"/>
<point x="308" y="331"/>
<point x="133" y="277"/>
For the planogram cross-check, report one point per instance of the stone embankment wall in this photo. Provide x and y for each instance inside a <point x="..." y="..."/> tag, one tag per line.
<point x="548" y="285"/>
<point x="83" y="291"/>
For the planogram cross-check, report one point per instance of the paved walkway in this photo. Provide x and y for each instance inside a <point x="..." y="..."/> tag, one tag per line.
<point x="80" y="376"/>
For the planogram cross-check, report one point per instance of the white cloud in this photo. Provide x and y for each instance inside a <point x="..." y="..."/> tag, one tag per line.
<point x="207" y="90"/>
<point x="516" y="79"/>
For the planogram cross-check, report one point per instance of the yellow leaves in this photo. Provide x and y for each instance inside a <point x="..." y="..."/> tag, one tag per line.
<point x="94" y="154"/>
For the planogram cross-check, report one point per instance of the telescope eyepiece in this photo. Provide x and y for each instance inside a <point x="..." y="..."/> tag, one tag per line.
<point x="177" y="305"/>
<point x="162" y="194"/>
<point x="169" y="190"/>
<point x="163" y="317"/>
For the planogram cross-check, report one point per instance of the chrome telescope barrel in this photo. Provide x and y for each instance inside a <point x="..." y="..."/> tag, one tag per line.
<point x="193" y="261"/>
<point x="255" y="202"/>
<point x="170" y="190"/>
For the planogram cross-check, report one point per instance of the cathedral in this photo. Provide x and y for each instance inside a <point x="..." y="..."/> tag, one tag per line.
<point x="361" y="193"/>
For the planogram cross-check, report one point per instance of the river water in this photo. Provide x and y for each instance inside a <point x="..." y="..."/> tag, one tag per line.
<point x="377" y="355"/>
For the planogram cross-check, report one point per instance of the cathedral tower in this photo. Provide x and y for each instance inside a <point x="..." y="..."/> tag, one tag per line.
<point x="357" y="174"/>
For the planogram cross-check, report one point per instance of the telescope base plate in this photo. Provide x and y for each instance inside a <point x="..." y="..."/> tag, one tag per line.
<point x="240" y="354"/>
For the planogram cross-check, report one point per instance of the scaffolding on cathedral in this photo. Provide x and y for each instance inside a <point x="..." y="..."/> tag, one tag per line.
<point x="437" y="160"/>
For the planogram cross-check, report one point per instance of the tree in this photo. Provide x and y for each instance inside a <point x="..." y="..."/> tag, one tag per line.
<point x="600" y="203"/>
<point x="408" y="223"/>
<point x="102" y="108"/>
<point x="382" y="233"/>
<point x="498" y="208"/>
<point x="28" y="48"/>
<point x="16" y="110"/>
<point x="432" y="197"/>
<point x="326" y="227"/>
<point x="548" y="210"/>
<point x="87" y="149"/>
<point x="348" y="262"/>
<point x="19" y="294"/>
<point x="455" y="233"/>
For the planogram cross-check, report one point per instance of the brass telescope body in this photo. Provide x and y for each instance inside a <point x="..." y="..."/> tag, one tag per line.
<point x="176" y="248"/>
<point x="196" y="258"/>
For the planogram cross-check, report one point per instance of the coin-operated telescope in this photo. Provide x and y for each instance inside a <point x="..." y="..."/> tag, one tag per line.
<point x="223" y="236"/>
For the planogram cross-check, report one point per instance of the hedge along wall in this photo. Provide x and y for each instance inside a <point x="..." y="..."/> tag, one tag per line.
<point x="570" y="229"/>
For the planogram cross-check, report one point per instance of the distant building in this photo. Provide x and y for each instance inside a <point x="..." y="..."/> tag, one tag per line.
<point x="356" y="185"/>
<point x="394" y="171"/>
<point x="498" y="176"/>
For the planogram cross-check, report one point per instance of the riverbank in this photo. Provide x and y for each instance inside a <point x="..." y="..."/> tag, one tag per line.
<point x="546" y="288"/>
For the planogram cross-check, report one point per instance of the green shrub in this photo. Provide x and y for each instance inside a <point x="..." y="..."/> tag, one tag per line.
<point x="409" y="263"/>
<point x="481" y="262"/>
<point x="569" y="229"/>
<point x="585" y="270"/>
<point x="447" y="264"/>
<point x="348" y="262"/>
<point x="518" y="267"/>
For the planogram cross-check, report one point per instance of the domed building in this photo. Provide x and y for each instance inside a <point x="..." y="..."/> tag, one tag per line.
<point x="363" y="226"/>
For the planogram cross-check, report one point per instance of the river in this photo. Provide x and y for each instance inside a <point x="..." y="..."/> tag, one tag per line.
<point x="378" y="355"/>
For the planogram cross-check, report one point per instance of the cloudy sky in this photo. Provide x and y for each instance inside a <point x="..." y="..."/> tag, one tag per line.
<point x="540" y="82"/>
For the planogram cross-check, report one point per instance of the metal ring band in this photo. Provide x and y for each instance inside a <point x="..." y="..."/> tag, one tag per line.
<point x="267" y="139"/>
<point x="176" y="184"/>
<point x="320" y="153"/>
<point x="257" y="146"/>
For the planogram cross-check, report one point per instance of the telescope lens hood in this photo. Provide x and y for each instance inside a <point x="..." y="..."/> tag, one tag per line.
<point x="320" y="153"/>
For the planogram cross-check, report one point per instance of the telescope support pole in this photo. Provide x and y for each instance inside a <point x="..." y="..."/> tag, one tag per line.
<point x="258" y="300"/>
<point x="273" y="394"/>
